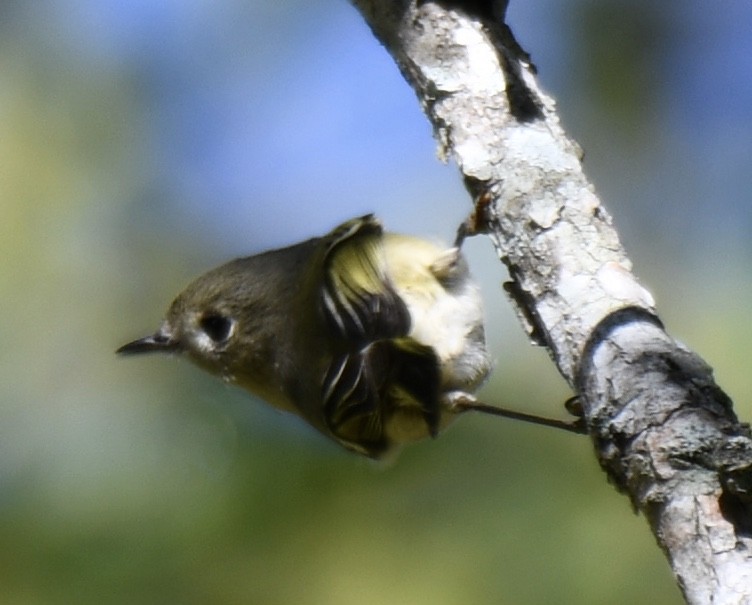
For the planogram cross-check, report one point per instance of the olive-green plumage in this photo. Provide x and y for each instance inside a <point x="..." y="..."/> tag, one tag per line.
<point x="368" y="336"/>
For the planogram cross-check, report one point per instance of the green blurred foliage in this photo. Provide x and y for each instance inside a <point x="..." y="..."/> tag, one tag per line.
<point x="144" y="481"/>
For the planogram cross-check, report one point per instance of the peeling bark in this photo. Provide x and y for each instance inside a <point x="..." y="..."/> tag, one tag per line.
<point x="663" y="431"/>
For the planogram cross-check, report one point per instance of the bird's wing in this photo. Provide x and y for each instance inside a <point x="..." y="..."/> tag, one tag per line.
<point x="363" y="389"/>
<point x="357" y="297"/>
<point x="379" y="367"/>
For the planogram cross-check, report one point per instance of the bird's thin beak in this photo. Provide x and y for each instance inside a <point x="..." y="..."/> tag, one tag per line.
<point x="159" y="342"/>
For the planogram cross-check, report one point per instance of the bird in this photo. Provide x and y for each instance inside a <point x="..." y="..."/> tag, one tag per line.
<point x="376" y="339"/>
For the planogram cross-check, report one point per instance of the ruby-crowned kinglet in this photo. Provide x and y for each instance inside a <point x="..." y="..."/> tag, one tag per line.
<point x="375" y="339"/>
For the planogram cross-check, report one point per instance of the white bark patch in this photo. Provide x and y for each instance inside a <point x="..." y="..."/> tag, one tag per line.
<point x="620" y="284"/>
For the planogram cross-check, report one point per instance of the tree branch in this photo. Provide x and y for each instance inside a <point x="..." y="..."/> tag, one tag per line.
<point x="663" y="430"/>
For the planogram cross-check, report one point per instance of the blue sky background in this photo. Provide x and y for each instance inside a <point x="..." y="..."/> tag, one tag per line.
<point x="253" y="110"/>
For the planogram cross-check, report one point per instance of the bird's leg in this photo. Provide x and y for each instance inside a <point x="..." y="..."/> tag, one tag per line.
<point x="477" y="221"/>
<point x="463" y="402"/>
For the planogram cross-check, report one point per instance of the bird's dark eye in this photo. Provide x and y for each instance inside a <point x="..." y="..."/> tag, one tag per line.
<point x="216" y="326"/>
